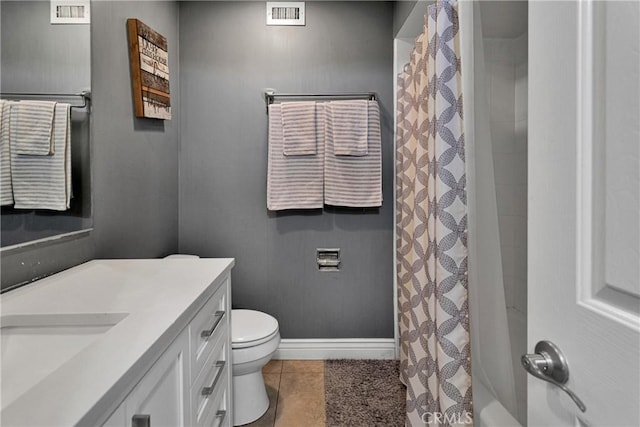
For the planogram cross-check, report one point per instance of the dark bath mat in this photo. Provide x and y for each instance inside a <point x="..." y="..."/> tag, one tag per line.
<point x="364" y="393"/>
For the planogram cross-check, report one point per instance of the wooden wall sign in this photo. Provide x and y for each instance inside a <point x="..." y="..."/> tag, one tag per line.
<point x="149" y="59"/>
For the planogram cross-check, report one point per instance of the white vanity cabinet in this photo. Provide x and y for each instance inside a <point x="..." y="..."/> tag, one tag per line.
<point x="160" y="354"/>
<point x="190" y="384"/>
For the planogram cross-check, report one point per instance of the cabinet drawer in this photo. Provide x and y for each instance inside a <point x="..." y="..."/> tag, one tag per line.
<point x="210" y="385"/>
<point x="207" y="327"/>
<point x="220" y="416"/>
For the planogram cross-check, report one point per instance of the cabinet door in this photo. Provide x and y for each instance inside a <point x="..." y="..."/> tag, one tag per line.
<point x="161" y="392"/>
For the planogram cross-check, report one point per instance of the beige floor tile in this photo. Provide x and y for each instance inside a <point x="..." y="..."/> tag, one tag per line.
<point x="292" y="384"/>
<point x="301" y="400"/>
<point x="272" y="383"/>
<point x="272" y="380"/>
<point x="272" y="367"/>
<point x="302" y="366"/>
<point x="304" y="411"/>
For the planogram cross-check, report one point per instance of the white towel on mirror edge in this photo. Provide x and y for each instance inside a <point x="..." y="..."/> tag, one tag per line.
<point x="293" y="182"/>
<point x="32" y="127"/>
<point x="299" y="128"/>
<point x="354" y="181"/>
<point x="350" y="127"/>
<point x="44" y="182"/>
<point x="6" y="190"/>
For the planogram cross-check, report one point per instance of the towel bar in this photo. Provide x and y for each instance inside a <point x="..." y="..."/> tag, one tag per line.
<point x="85" y="95"/>
<point x="270" y="96"/>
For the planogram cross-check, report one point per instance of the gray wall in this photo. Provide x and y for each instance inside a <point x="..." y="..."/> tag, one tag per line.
<point x="37" y="56"/>
<point x="401" y="9"/>
<point x="134" y="161"/>
<point x="228" y="56"/>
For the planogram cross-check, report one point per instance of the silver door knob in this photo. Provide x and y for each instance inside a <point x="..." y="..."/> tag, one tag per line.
<point x="549" y="364"/>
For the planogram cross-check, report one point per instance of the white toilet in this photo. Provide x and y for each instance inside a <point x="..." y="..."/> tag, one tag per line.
<point x="254" y="339"/>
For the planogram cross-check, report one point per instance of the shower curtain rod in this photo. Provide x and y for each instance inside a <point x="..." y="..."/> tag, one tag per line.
<point x="85" y="94"/>
<point x="270" y="96"/>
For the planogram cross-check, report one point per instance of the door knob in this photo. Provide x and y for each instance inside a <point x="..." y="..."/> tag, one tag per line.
<point x="549" y="364"/>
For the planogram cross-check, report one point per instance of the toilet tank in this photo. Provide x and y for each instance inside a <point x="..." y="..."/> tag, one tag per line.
<point x="174" y="256"/>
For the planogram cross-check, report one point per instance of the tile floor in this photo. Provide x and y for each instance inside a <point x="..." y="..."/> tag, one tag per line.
<point x="296" y="394"/>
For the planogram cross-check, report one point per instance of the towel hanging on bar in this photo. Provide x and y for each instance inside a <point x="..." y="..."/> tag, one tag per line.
<point x="6" y="189"/>
<point x="299" y="128"/>
<point x="32" y="128"/>
<point x="44" y="182"/>
<point x="293" y="182"/>
<point x="350" y="127"/>
<point x="354" y="181"/>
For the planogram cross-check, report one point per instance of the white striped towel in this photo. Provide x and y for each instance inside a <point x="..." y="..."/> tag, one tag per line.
<point x="299" y="128"/>
<point x="32" y="128"/>
<point x="293" y="182"/>
<point x="6" y="190"/>
<point x="349" y="127"/>
<point x="44" y="182"/>
<point x="351" y="180"/>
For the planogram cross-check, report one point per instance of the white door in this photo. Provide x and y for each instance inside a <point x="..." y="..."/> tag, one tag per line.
<point x="584" y="226"/>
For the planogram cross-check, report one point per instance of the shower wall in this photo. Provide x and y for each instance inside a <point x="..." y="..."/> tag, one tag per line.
<point x="507" y="71"/>
<point x="506" y="66"/>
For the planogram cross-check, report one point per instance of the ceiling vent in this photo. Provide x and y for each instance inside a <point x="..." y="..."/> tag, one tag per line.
<point x="285" y="13"/>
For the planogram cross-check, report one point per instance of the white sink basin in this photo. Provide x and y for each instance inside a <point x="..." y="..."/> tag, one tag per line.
<point x="35" y="345"/>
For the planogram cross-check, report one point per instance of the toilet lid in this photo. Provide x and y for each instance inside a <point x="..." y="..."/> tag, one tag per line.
<point x="248" y="326"/>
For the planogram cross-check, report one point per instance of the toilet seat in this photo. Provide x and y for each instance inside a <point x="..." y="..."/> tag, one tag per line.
<point x="250" y="328"/>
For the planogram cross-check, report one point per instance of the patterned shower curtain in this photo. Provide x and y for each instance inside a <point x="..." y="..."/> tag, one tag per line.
<point x="431" y="224"/>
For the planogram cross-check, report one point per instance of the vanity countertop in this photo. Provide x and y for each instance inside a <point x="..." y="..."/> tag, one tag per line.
<point x="152" y="300"/>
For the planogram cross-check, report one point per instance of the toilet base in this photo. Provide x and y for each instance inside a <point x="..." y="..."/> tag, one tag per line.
<point x="249" y="397"/>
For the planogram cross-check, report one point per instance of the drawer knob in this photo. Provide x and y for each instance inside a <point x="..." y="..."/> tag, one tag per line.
<point x="218" y="318"/>
<point x="206" y="391"/>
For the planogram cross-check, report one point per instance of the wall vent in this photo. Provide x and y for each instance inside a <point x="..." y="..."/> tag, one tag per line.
<point x="70" y="11"/>
<point x="285" y="13"/>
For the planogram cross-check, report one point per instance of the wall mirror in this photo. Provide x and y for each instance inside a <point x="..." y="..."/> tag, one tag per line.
<point x="52" y="62"/>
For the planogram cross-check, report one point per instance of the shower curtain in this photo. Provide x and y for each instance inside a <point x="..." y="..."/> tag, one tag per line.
<point x="431" y="225"/>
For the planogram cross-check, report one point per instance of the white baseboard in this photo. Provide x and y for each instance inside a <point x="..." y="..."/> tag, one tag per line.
<point x="347" y="348"/>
